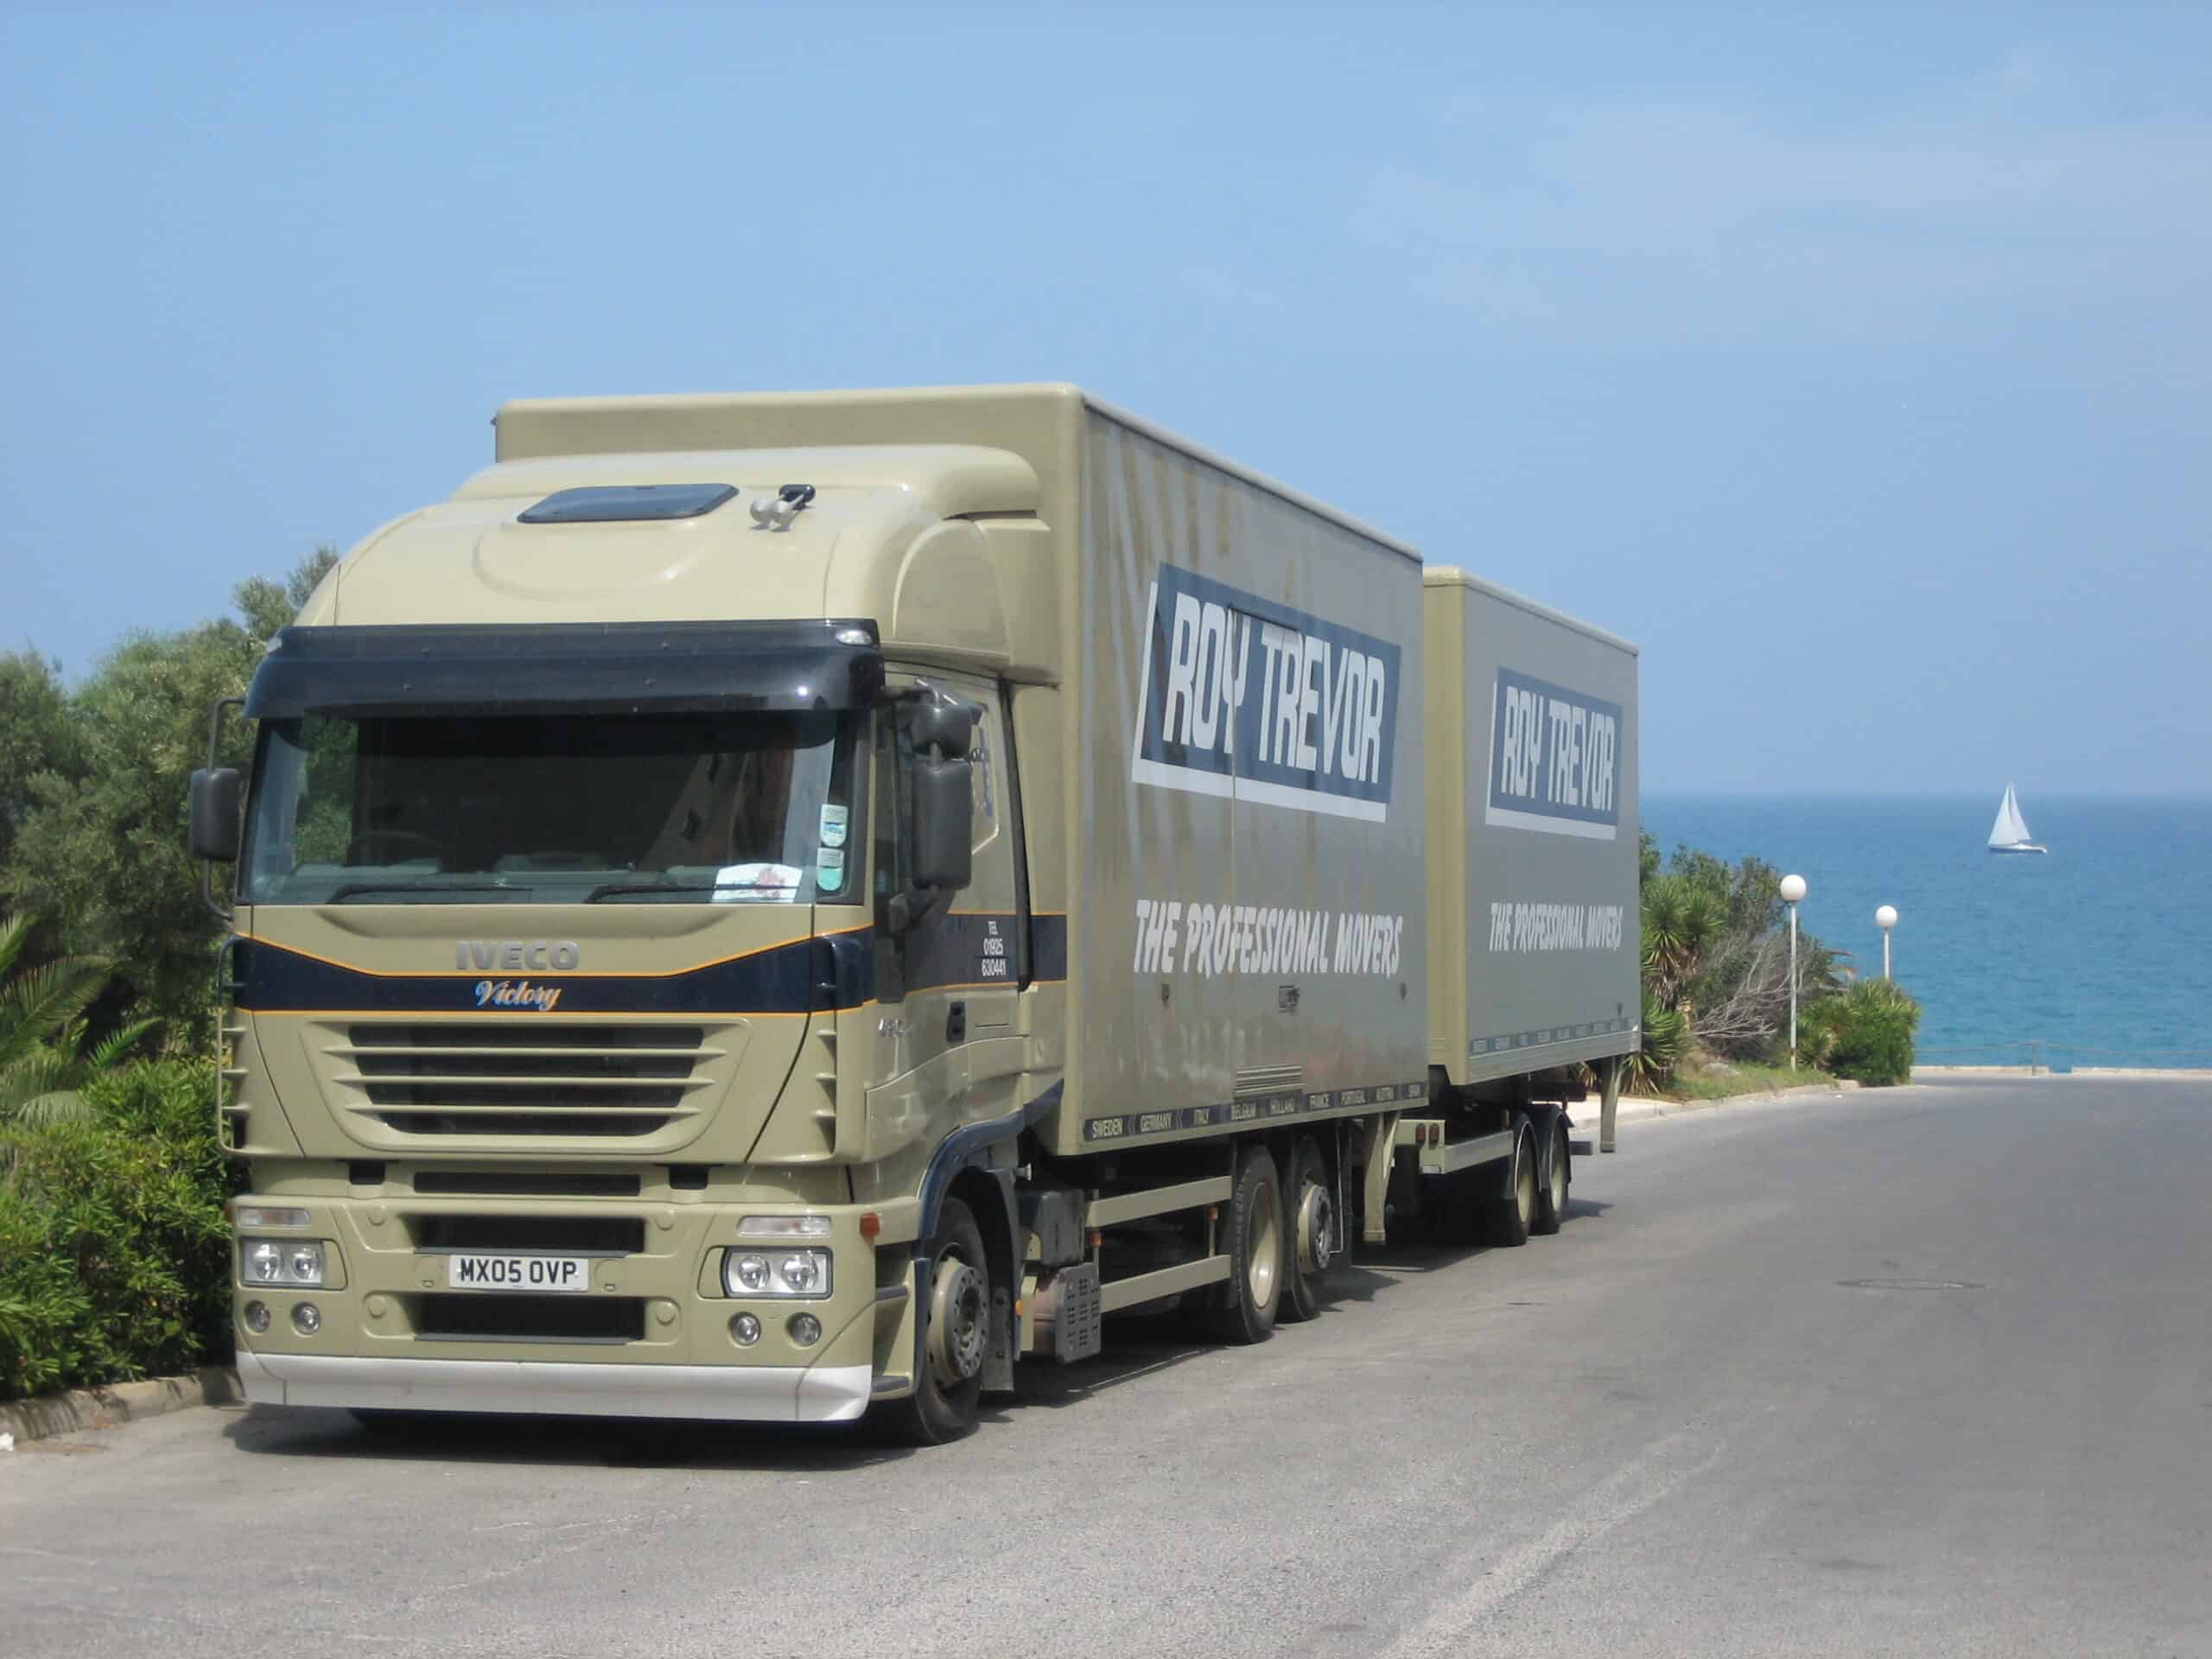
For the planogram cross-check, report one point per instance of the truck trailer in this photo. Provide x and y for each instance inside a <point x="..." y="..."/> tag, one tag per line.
<point x="787" y="907"/>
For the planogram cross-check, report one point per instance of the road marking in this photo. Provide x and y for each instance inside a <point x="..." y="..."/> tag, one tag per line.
<point x="1453" y="1627"/>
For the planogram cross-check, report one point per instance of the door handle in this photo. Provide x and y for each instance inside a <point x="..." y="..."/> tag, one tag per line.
<point x="955" y="1024"/>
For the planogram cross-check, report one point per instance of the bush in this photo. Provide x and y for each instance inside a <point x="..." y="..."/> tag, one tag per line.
<point x="1665" y="1046"/>
<point x="114" y="1244"/>
<point x="1866" y="1032"/>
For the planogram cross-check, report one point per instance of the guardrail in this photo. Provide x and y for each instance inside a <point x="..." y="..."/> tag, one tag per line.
<point x="2036" y="1055"/>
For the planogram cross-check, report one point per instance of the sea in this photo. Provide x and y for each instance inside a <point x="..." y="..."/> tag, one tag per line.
<point x="2098" y="955"/>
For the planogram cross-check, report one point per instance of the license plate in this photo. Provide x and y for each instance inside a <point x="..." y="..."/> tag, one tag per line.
<point x="478" y="1270"/>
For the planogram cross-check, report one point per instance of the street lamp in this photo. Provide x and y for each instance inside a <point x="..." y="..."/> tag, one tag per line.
<point x="1885" y="918"/>
<point x="1793" y="889"/>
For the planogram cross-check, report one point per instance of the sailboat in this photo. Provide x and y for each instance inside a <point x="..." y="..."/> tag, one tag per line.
<point x="2010" y="833"/>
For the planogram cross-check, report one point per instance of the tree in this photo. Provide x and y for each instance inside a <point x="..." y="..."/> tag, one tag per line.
<point x="1680" y="921"/>
<point x="46" y="1056"/>
<point x="105" y="849"/>
<point x="40" y="737"/>
<point x="267" y="605"/>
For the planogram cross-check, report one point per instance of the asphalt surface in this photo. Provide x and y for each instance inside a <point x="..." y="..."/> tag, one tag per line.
<point x="1922" y="1371"/>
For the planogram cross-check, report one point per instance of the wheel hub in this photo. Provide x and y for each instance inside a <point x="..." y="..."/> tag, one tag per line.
<point x="1262" y="1242"/>
<point x="958" y="1323"/>
<point x="1317" y="1231"/>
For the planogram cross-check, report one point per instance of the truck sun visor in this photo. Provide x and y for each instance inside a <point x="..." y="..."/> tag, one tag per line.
<point x="623" y="667"/>
<point x="608" y="504"/>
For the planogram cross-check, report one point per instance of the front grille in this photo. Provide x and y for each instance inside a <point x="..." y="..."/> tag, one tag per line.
<point x="468" y="1317"/>
<point x="576" y="1234"/>
<point x="613" y="1081"/>
<point x="524" y="1184"/>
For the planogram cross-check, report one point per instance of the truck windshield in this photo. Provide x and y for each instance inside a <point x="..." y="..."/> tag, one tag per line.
<point x="672" y="808"/>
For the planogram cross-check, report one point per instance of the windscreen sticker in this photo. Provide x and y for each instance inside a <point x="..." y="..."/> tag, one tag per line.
<point x="834" y="820"/>
<point x="1555" y="760"/>
<point x="753" y="884"/>
<point x="1250" y="700"/>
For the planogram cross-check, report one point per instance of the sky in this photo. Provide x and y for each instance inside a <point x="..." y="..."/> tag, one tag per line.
<point x="1852" y="361"/>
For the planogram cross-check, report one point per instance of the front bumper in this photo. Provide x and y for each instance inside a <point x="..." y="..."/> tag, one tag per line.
<point x="746" y="1394"/>
<point x="393" y="1335"/>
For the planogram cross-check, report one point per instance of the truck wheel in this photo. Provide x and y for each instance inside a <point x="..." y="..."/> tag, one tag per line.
<point x="955" y="1320"/>
<point x="1246" y="1310"/>
<point x="1312" y="1237"/>
<point x="1510" y="1217"/>
<point x="1551" y="1192"/>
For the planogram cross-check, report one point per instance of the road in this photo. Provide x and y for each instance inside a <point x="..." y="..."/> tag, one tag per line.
<point x="1925" y="1371"/>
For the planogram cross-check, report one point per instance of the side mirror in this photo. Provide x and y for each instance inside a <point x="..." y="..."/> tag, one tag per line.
<point x="944" y="821"/>
<point x="944" y="723"/>
<point x="215" y="813"/>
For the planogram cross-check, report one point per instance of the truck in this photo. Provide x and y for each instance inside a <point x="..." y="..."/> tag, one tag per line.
<point x="788" y="907"/>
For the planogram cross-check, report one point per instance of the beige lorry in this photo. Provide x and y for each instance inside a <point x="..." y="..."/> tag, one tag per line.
<point x="785" y="906"/>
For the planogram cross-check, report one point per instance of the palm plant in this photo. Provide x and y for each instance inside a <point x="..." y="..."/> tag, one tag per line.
<point x="1680" y="922"/>
<point x="1666" y="1041"/>
<point x="46" y="1056"/>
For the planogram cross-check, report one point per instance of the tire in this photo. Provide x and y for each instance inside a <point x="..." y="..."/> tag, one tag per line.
<point x="955" y="1333"/>
<point x="1510" y="1217"/>
<point x="1245" y="1309"/>
<point x="1312" y="1234"/>
<point x="1553" y="1180"/>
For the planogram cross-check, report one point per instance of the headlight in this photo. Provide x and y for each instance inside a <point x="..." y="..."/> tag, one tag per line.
<point x="267" y="1261"/>
<point x="787" y="1273"/>
<point x="800" y="1271"/>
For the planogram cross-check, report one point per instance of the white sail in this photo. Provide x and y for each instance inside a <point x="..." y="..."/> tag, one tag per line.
<point x="2010" y="830"/>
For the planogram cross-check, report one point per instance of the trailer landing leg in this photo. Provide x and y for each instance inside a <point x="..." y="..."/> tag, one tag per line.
<point x="1382" y="1151"/>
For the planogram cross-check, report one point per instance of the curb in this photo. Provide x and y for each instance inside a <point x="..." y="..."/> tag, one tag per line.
<point x="123" y="1402"/>
<point x="2157" y="1073"/>
<point x="1633" y="1108"/>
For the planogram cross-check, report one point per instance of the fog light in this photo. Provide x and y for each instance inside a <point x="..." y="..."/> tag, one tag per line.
<point x="257" y="1317"/>
<point x="305" y="1319"/>
<point x="805" y="1330"/>
<point x="745" y="1330"/>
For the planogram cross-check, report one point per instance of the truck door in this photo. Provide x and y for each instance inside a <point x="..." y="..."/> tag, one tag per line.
<point x="949" y="985"/>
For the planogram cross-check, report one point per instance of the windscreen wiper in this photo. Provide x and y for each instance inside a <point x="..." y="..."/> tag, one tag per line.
<point x="609" y="889"/>
<point x="352" y="888"/>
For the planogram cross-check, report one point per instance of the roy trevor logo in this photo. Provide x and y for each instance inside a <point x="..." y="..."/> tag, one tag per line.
<point x="1555" y="760"/>
<point x="1248" y="699"/>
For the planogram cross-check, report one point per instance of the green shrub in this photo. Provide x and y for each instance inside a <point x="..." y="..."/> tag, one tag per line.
<point x="1665" y="1046"/>
<point x="1866" y="1032"/>
<point x="114" y="1245"/>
